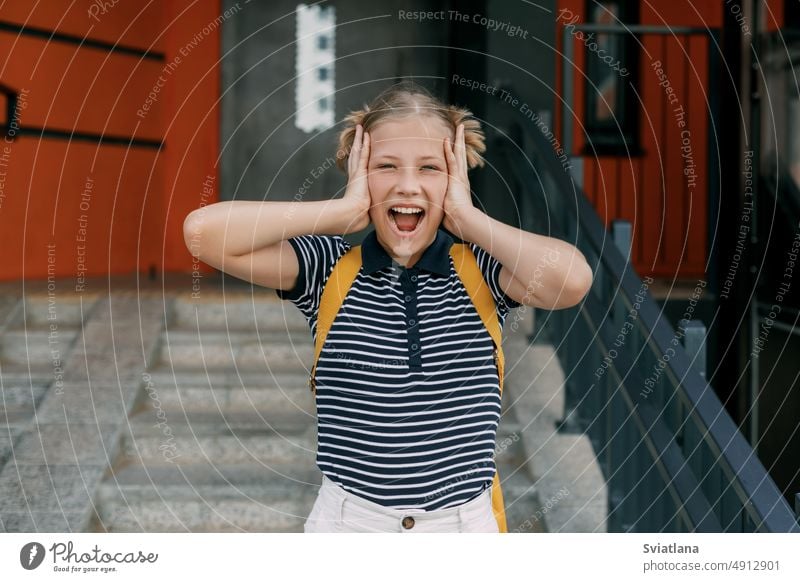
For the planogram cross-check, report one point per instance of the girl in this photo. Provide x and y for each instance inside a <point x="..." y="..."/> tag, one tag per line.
<point x="407" y="387"/>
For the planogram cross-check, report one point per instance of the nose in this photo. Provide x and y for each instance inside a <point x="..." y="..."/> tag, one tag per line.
<point x="408" y="181"/>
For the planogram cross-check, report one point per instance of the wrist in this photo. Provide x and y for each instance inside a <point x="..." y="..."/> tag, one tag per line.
<point x="466" y="221"/>
<point x="348" y="215"/>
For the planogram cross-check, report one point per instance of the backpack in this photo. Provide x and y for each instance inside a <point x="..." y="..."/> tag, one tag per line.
<point x="342" y="277"/>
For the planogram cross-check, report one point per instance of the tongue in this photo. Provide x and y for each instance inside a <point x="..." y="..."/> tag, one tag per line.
<point x="406" y="222"/>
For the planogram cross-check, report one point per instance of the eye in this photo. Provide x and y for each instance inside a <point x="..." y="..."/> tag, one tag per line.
<point x="429" y="167"/>
<point x="384" y="166"/>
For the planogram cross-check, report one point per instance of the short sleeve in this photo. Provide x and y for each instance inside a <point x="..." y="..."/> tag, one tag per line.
<point x="490" y="267"/>
<point x="316" y="257"/>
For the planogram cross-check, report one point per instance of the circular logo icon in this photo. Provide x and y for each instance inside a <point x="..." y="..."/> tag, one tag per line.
<point x="31" y="555"/>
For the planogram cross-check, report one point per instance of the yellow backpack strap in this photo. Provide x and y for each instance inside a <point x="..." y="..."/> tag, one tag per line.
<point x="471" y="277"/>
<point x="336" y="288"/>
<point x="470" y="274"/>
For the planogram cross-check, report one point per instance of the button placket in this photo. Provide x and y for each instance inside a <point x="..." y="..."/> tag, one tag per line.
<point x="408" y="283"/>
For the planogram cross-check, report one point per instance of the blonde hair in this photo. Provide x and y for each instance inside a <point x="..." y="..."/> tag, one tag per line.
<point x="404" y="99"/>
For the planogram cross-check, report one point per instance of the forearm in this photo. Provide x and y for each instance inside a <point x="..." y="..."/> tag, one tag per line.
<point x="555" y="272"/>
<point x="234" y="228"/>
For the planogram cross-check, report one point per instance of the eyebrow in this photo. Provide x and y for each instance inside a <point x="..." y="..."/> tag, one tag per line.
<point x="422" y="158"/>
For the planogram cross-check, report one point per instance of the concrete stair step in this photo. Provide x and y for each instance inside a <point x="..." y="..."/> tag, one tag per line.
<point x="164" y="375"/>
<point x="233" y="311"/>
<point x="34" y="345"/>
<point x="518" y="483"/>
<point x="41" y="310"/>
<point x="196" y="421"/>
<point x="145" y="444"/>
<point x="21" y="396"/>
<point x="280" y="393"/>
<point x="268" y="350"/>
<point x="205" y="499"/>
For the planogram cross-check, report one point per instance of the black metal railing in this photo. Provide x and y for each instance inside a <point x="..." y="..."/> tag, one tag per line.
<point x="673" y="458"/>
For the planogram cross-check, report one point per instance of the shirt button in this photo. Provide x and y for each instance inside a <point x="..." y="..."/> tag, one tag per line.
<point x="408" y="298"/>
<point x="408" y="522"/>
<point x="413" y="346"/>
<point x="413" y="277"/>
<point x="411" y="322"/>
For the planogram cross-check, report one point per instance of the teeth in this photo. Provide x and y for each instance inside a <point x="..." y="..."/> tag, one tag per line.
<point x="407" y="210"/>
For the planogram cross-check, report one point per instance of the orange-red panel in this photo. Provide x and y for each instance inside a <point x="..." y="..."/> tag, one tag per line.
<point x="84" y="200"/>
<point x="133" y="24"/>
<point x="191" y="128"/>
<point x="696" y="203"/>
<point x="681" y="13"/>
<point x="652" y="142"/>
<point x="675" y="226"/>
<point x="83" y="89"/>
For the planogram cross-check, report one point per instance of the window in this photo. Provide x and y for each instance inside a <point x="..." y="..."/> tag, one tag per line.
<point x="315" y="89"/>
<point x="612" y="111"/>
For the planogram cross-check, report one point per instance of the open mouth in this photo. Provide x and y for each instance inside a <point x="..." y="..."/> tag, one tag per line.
<point x="406" y="224"/>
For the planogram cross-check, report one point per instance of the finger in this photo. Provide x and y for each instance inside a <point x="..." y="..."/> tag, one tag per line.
<point x="355" y="150"/>
<point x="364" y="154"/>
<point x="461" y="154"/>
<point x="449" y="157"/>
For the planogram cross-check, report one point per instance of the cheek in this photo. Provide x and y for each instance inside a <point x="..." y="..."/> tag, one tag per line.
<point x="437" y="187"/>
<point x="378" y="185"/>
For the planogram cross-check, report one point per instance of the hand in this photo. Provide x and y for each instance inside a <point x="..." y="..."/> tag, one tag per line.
<point x="357" y="195"/>
<point x="457" y="199"/>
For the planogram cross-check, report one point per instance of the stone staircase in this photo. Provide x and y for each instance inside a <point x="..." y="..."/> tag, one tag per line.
<point x="187" y="414"/>
<point x="223" y="434"/>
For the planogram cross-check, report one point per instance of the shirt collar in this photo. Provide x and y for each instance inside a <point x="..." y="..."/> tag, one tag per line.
<point x="435" y="259"/>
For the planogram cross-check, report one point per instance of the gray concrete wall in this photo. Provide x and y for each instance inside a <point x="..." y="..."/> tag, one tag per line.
<point x="265" y="157"/>
<point x="528" y="65"/>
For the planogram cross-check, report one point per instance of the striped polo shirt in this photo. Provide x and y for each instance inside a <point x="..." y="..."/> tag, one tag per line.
<point x="407" y="391"/>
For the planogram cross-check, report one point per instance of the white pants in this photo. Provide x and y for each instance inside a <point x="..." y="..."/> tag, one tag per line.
<point x="337" y="510"/>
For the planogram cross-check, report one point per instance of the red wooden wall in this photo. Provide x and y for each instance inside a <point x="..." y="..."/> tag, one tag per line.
<point x="669" y="218"/>
<point x="133" y="198"/>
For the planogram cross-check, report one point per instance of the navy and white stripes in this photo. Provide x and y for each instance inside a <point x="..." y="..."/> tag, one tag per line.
<point x="408" y="398"/>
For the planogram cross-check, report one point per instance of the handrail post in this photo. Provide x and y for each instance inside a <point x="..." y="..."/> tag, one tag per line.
<point x="797" y="506"/>
<point x="621" y="232"/>
<point x="694" y="344"/>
